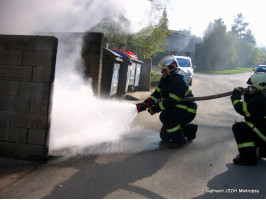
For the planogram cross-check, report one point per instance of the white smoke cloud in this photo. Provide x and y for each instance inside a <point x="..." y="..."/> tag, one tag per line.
<point x="27" y="16"/>
<point x="79" y="119"/>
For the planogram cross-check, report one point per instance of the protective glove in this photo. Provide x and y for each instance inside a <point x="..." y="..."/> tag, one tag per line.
<point x="151" y="110"/>
<point x="239" y="89"/>
<point x="141" y="106"/>
<point x="149" y="102"/>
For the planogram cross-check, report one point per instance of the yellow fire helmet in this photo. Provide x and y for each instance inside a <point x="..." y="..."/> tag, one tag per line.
<point x="258" y="80"/>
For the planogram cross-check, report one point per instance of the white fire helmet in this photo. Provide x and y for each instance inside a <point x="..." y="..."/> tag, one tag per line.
<point x="258" y="80"/>
<point x="169" y="63"/>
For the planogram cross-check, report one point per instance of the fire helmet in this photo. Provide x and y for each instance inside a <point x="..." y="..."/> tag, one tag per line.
<point x="168" y="63"/>
<point x="258" y="80"/>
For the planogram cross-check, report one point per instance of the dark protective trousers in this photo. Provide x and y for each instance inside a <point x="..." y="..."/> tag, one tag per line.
<point x="247" y="140"/>
<point x="175" y="121"/>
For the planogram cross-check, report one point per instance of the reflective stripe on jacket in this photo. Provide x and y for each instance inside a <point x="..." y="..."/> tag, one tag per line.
<point x="252" y="107"/>
<point x="171" y="92"/>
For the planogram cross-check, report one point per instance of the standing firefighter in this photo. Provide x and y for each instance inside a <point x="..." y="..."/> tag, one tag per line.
<point x="167" y="98"/>
<point x="251" y="134"/>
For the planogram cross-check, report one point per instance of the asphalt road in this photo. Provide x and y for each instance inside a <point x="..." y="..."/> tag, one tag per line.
<point x="139" y="167"/>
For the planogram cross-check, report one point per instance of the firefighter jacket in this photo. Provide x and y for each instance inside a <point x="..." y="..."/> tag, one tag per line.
<point x="170" y="92"/>
<point x="253" y="108"/>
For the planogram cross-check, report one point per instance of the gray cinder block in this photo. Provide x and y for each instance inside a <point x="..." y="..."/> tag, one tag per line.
<point x="8" y="118"/>
<point x="28" y="151"/>
<point x="2" y="41"/>
<point x="7" y="148"/>
<point x="36" y="136"/>
<point x="16" y="73"/>
<point x="13" y="134"/>
<point x="37" y="58"/>
<point x="45" y="43"/>
<point x="15" y="42"/>
<point x="43" y="75"/>
<point x="9" y="87"/>
<point x="40" y="90"/>
<point x="15" y="103"/>
<point x="30" y="120"/>
<point x="39" y="105"/>
<point x="10" y="57"/>
<point x="27" y="66"/>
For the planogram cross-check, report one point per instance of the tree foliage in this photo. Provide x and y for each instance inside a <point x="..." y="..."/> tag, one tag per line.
<point x="239" y="27"/>
<point x="144" y="43"/>
<point x="216" y="46"/>
<point x="114" y="29"/>
<point x="221" y="49"/>
<point x="151" y="40"/>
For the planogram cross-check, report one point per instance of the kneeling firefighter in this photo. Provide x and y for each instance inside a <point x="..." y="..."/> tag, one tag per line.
<point x="167" y="98"/>
<point x="250" y="135"/>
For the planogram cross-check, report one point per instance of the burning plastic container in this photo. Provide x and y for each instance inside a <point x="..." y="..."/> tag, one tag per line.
<point x="110" y="73"/>
<point x="129" y="72"/>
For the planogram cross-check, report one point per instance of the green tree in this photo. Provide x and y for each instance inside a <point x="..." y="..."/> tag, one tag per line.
<point x="215" y="52"/>
<point x="249" y="37"/>
<point x="144" y="43"/>
<point x="241" y="31"/>
<point x="259" y="56"/>
<point x="220" y="49"/>
<point x="239" y="27"/>
<point x="151" y="39"/>
<point x="115" y="30"/>
<point x="246" y="43"/>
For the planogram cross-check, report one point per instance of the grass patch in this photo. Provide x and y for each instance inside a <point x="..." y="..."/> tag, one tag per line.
<point x="155" y="78"/>
<point x="229" y="71"/>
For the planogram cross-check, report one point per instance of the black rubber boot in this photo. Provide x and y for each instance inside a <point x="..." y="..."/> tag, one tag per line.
<point x="174" y="144"/>
<point x="178" y="140"/>
<point x="241" y="159"/>
<point x="190" y="131"/>
<point x="164" y="135"/>
<point x="262" y="152"/>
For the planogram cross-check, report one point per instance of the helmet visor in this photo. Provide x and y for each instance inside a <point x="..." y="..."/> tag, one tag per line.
<point x="165" y="61"/>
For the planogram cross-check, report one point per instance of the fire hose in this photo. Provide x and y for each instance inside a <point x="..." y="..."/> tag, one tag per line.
<point x="215" y="96"/>
<point x="142" y="107"/>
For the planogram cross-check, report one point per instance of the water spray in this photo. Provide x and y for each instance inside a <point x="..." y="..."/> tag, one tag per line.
<point x="80" y="119"/>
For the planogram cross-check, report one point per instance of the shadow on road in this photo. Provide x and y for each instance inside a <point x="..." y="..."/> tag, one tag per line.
<point x="12" y="170"/>
<point x="95" y="180"/>
<point x="119" y="175"/>
<point x="238" y="182"/>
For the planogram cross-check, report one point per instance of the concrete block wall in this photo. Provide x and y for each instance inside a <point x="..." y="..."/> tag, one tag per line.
<point x="92" y="54"/>
<point x="27" y="68"/>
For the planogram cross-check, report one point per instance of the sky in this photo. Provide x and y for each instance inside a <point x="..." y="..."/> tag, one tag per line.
<point x="26" y="16"/>
<point x="197" y="14"/>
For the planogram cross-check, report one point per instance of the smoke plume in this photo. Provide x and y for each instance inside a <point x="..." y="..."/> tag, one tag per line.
<point x="28" y="16"/>
<point x="79" y="119"/>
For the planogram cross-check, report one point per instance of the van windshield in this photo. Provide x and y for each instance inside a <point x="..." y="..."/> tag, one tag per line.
<point x="183" y="62"/>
